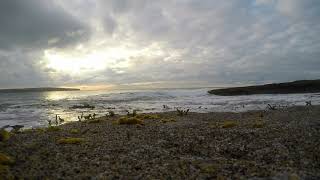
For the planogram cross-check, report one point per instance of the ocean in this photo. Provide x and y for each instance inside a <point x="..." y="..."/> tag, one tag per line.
<point x="33" y="109"/>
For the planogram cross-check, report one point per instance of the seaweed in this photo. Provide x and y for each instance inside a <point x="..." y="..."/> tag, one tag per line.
<point x="168" y="120"/>
<point x="6" y="160"/>
<point x="148" y="116"/>
<point x="4" y="135"/>
<point x="229" y="124"/>
<point x="70" y="140"/>
<point x="74" y="131"/>
<point x="3" y="169"/>
<point x="130" y="120"/>
<point x="94" y="121"/>
<point x="258" y="124"/>
<point x="53" y="129"/>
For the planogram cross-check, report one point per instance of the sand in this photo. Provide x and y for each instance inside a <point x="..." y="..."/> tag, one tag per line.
<point x="278" y="144"/>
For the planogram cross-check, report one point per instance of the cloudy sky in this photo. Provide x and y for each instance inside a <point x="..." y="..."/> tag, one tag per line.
<point x="118" y="43"/>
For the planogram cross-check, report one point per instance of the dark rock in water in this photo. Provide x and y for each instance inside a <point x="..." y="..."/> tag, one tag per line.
<point x="84" y="106"/>
<point x="303" y="86"/>
<point x="17" y="128"/>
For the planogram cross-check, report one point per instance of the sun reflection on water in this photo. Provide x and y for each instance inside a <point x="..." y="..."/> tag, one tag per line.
<point x="56" y="95"/>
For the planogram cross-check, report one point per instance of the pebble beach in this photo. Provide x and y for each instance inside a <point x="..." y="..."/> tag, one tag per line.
<point x="269" y="144"/>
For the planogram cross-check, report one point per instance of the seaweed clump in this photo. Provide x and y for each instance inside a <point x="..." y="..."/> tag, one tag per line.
<point x="74" y="131"/>
<point x="148" y="116"/>
<point x="53" y="129"/>
<point x="258" y="124"/>
<point x="94" y="121"/>
<point x="130" y="120"/>
<point x="4" y="135"/>
<point x="6" y="160"/>
<point x="168" y="120"/>
<point x="229" y="124"/>
<point x="70" y="140"/>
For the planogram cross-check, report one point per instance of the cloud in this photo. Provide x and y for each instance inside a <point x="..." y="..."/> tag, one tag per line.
<point x="35" y="23"/>
<point x="208" y="41"/>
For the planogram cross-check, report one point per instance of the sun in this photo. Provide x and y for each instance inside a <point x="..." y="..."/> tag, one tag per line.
<point x="75" y="64"/>
<point x="81" y="62"/>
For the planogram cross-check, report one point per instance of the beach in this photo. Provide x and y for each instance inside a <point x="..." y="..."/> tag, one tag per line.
<point x="278" y="144"/>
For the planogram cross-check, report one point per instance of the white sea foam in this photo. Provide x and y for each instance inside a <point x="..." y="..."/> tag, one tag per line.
<point x="34" y="109"/>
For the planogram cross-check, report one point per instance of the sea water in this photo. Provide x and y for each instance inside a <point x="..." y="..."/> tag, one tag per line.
<point x="33" y="109"/>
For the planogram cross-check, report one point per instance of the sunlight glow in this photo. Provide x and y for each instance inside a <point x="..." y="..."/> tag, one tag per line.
<point x="88" y="59"/>
<point x="75" y="64"/>
<point x="79" y="61"/>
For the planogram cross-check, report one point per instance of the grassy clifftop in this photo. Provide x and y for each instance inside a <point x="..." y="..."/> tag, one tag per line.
<point x="303" y="86"/>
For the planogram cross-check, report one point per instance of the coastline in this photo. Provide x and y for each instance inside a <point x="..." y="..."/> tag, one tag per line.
<point x="295" y="87"/>
<point x="282" y="143"/>
<point x="45" y="89"/>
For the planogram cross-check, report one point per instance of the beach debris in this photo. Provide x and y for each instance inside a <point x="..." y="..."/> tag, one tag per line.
<point x="49" y="122"/>
<point x="79" y="118"/>
<point x="166" y="107"/>
<point x="60" y="120"/>
<point x="94" y="115"/>
<point x="229" y="124"/>
<point x="83" y="106"/>
<point x="111" y="113"/>
<point x="56" y="121"/>
<point x="70" y="140"/>
<point x="6" y="160"/>
<point x="182" y="112"/>
<point x="88" y="117"/>
<point x="134" y="113"/>
<point x="272" y="107"/>
<point x="308" y="103"/>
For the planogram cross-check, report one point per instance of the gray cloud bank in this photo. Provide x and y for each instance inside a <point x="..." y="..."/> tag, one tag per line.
<point x="208" y="42"/>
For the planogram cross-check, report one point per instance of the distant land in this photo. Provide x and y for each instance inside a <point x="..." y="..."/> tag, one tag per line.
<point x="302" y="86"/>
<point x="44" y="89"/>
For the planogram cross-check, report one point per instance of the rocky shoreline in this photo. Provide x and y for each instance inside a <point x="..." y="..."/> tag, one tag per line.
<point x="303" y="86"/>
<point x="278" y="144"/>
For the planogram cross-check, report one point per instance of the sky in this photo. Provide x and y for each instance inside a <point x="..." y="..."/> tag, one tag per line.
<point x="148" y="43"/>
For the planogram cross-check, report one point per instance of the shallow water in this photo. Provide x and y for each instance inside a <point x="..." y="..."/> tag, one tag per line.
<point x="33" y="109"/>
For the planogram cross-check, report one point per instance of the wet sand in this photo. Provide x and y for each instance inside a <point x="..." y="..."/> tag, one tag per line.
<point x="281" y="144"/>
